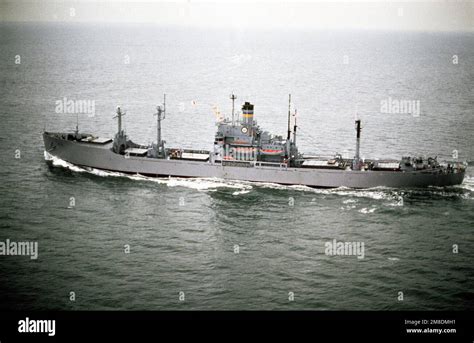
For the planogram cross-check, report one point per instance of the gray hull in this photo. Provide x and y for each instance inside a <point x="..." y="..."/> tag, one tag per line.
<point x="102" y="157"/>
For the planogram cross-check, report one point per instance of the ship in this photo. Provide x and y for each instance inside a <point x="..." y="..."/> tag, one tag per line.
<point x="245" y="152"/>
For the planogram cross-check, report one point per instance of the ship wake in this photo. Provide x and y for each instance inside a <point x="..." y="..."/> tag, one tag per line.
<point x="200" y="184"/>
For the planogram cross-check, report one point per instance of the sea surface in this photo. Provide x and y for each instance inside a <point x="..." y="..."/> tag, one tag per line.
<point x="208" y="244"/>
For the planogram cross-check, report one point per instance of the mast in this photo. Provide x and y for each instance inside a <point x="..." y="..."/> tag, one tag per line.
<point x="233" y="97"/>
<point x="294" y="130"/>
<point x="160" y="115"/>
<point x="356" y="164"/>
<point x="289" y="114"/>
<point x="77" y="125"/>
<point x="119" y="115"/>
<point x="158" y="127"/>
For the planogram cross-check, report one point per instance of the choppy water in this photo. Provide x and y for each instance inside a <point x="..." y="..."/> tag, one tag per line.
<point x="183" y="233"/>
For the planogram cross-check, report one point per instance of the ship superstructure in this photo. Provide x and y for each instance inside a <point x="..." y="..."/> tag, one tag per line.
<point x="243" y="140"/>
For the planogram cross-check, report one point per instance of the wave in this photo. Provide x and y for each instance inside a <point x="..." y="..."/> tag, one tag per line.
<point x="366" y="210"/>
<point x="467" y="184"/>
<point x="241" y="192"/>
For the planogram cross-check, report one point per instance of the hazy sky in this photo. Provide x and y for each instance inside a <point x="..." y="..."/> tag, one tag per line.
<point x="439" y="15"/>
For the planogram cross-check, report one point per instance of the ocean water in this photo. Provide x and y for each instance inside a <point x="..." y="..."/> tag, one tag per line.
<point x="233" y="245"/>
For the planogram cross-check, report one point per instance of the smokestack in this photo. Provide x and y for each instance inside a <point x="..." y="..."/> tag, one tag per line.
<point x="247" y="113"/>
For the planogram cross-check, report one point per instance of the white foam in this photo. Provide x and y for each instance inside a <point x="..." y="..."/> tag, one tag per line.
<point x="398" y="203"/>
<point x="57" y="162"/>
<point x="200" y="184"/>
<point x="367" y="210"/>
<point x="468" y="183"/>
<point x="241" y="192"/>
<point x="377" y="193"/>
